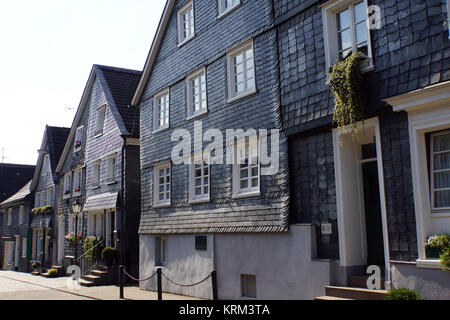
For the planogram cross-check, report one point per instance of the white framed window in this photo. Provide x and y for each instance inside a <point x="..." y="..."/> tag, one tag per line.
<point x="101" y="113"/>
<point x="440" y="170"/>
<point x="241" y="71"/>
<point x="78" y="142"/>
<point x="226" y="6"/>
<point x="346" y="30"/>
<point x="199" y="181"/>
<point x="78" y="224"/>
<point x="10" y="217"/>
<point x="161" y="110"/>
<point x="111" y="173"/>
<point x="45" y="166"/>
<point x="160" y="251"/>
<point x="49" y="196"/>
<point x="96" y="173"/>
<point x="77" y="182"/>
<point x="196" y="93"/>
<point x="21" y="214"/>
<point x="43" y="198"/>
<point x="67" y="185"/>
<point x="161" y="185"/>
<point x="186" y="28"/>
<point x="246" y="168"/>
<point x="24" y="247"/>
<point x="37" y="200"/>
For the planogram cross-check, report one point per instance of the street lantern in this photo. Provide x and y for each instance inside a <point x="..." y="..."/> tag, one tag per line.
<point x="76" y="209"/>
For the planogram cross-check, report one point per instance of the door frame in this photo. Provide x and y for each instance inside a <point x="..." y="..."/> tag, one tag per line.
<point x="350" y="205"/>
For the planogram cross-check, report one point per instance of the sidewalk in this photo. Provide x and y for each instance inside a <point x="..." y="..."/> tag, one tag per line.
<point x="96" y="293"/>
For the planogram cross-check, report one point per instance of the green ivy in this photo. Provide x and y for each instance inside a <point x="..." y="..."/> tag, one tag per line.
<point x="347" y="84"/>
<point x="89" y="243"/>
<point x="445" y="260"/>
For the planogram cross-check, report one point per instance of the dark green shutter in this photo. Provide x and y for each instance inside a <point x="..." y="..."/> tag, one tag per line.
<point x="29" y="244"/>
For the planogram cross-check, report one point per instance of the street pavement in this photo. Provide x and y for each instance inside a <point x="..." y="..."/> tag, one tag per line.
<point x="24" y="286"/>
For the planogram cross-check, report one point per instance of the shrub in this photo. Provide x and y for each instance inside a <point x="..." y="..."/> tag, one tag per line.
<point x="445" y="260"/>
<point x="52" y="273"/>
<point x="108" y="255"/>
<point x="402" y="294"/>
<point x="90" y="243"/>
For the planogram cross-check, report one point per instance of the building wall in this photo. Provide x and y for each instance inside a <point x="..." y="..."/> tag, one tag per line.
<point x="282" y="263"/>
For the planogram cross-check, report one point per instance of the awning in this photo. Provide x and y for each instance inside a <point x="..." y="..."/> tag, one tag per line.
<point x="40" y="222"/>
<point x="102" y="201"/>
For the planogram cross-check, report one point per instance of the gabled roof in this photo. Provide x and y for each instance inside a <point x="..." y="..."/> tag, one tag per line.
<point x="157" y="40"/>
<point x="18" y="196"/>
<point x="13" y="177"/>
<point x="55" y="138"/>
<point x="118" y="85"/>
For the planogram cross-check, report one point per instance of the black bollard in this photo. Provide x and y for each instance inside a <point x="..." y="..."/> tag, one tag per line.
<point x="214" y="284"/>
<point x="158" y="275"/>
<point x="121" y="281"/>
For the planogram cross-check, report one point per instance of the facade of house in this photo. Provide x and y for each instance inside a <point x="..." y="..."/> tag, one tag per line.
<point x="337" y="204"/>
<point x="42" y="226"/>
<point x="15" y="236"/>
<point x="100" y="166"/>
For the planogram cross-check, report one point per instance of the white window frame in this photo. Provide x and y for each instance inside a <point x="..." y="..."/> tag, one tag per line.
<point x="10" y="216"/>
<point x="233" y="95"/>
<point x="96" y="173"/>
<point x="21" y="214"/>
<point x="161" y="257"/>
<point x="100" y="122"/>
<point x="432" y="172"/>
<point x="239" y="148"/>
<point x="193" y="198"/>
<point x="67" y="185"/>
<point x="78" y="138"/>
<point x="43" y="198"/>
<point x="50" y="196"/>
<point x="198" y="74"/>
<point x="77" y="173"/>
<point x="223" y="11"/>
<point x="330" y="10"/>
<point x="156" y="114"/>
<point x="166" y="202"/>
<point x="45" y="166"/>
<point x="181" y="27"/>
<point x="37" y="200"/>
<point x="111" y="173"/>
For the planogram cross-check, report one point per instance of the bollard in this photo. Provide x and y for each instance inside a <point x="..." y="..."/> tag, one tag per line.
<point x="214" y="284"/>
<point x="158" y="274"/>
<point x="121" y="281"/>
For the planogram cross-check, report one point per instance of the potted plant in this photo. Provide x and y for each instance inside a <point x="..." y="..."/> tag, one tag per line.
<point x="78" y="189"/>
<point x="77" y="144"/>
<point x="108" y="256"/>
<point x="436" y="245"/>
<point x="72" y="237"/>
<point x="402" y="294"/>
<point x="66" y="192"/>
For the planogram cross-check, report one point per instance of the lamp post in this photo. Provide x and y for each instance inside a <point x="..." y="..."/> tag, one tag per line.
<point x="76" y="209"/>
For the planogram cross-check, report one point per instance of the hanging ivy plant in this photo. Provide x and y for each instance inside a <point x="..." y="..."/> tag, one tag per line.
<point x="347" y="84"/>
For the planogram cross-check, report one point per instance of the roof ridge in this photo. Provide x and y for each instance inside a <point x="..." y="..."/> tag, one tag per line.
<point x="118" y="69"/>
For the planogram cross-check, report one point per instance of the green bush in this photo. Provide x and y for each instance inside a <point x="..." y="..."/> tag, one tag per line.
<point x="445" y="260"/>
<point x="108" y="255"/>
<point x="52" y="273"/>
<point x="90" y="243"/>
<point x="402" y="294"/>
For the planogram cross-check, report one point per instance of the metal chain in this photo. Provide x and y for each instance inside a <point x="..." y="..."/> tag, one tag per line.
<point x="135" y="279"/>
<point x="185" y="285"/>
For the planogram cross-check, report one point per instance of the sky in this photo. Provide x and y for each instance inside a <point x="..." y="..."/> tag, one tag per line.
<point x="47" y="49"/>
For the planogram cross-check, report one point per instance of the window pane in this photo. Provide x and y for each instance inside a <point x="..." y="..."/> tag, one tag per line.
<point x="361" y="32"/>
<point x="244" y="184"/>
<point x="345" y="39"/>
<point x="254" y="182"/>
<point x="244" y="173"/>
<point x="360" y="12"/>
<point x="442" y="161"/>
<point x="442" y="199"/>
<point x="442" y="180"/>
<point x="441" y="143"/>
<point x="362" y="47"/>
<point x="344" y="19"/>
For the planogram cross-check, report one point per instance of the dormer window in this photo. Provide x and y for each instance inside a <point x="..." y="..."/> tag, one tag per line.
<point x="78" y="142"/>
<point x="186" y="29"/>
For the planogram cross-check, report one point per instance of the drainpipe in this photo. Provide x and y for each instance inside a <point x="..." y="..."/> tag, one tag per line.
<point x="122" y="211"/>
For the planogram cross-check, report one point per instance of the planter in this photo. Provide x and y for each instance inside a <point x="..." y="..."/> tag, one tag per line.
<point x="433" y="253"/>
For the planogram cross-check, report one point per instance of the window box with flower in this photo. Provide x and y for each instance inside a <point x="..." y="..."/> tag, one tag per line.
<point x="72" y="237"/>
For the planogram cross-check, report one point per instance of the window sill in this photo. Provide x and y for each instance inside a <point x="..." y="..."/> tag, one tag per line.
<point x="76" y="195"/>
<point x="242" y="96"/>
<point x="111" y="182"/>
<point x="67" y="196"/>
<point x="439" y="214"/>
<point x="95" y="187"/>
<point x="196" y="115"/>
<point x="198" y="201"/>
<point x="98" y="134"/>
<point x="186" y="41"/>
<point x="228" y="11"/>
<point x="161" y="130"/>
<point x="428" y="264"/>
<point x="246" y="194"/>
<point x="162" y="205"/>
<point x="77" y="150"/>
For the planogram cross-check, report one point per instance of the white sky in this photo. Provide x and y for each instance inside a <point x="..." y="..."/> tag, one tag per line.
<point x="47" y="49"/>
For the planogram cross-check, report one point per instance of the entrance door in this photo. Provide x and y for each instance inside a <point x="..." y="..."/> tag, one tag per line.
<point x="8" y="260"/>
<point x="372" y="208"/>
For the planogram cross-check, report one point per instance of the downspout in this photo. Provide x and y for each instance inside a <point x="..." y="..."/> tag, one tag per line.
<point x="122" y="211"/>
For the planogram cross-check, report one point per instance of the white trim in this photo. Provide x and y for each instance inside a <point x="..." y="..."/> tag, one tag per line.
<point x="180" y="26"/>
<point x="240" y="49"/>
<point x="193" y="199"/>
<point x="77" y="194"/>
<point x="80" y="131"/>
<point x="67" y="185"/>
<point x="348" y="240"/>
<point x="156" y="119"/>
<point x="428" y="264"/>
<point x="198" y="74"/>
<point x="433" y="171"/>
<point x="156" y="169"/>
<point x="224" y="12"/>
<point x="99" y="131"/>
<point x="236" y="170"/>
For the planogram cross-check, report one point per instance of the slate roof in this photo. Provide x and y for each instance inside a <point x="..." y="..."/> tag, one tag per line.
<point x="121" y="84"/>
<point x="57" y="137"/>
<point x="13" y="177"/>
<point x="19" y="195"/>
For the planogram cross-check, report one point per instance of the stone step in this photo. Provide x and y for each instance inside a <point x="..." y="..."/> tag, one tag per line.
<point x="354" y="293"/>
<point x="90" y="277"/>
<point x="57" y="267"/>
<point x="86" y="283"/>
<point x="328" y="298"/>
<point x="361" y="281"/>
<point x="98" y="272"/>
<point x="36" y="273"/>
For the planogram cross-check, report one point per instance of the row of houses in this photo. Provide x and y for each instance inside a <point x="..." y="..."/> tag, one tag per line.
<point x="327" y="205"/>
